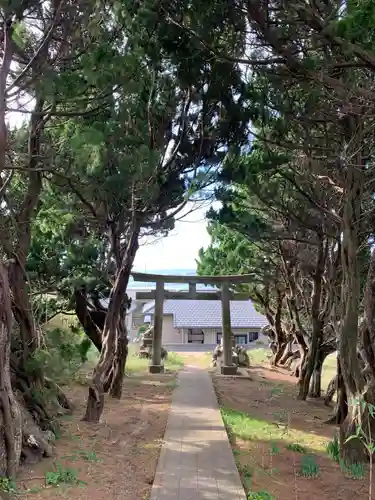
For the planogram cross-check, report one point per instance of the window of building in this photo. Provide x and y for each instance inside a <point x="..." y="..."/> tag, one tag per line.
<point x="241" y="339"/>
<point x="195" y="336"/>
<point x="253" y="336"/>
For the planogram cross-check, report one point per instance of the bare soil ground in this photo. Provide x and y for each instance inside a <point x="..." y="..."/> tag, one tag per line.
<point x="264" y="419"/>
<point x="113" y="460"/>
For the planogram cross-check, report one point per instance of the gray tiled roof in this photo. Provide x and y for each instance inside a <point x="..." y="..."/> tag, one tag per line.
<point x="207" y="314"/>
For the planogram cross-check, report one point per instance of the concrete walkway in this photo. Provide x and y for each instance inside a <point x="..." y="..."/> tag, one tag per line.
<point x="196" y="461"/>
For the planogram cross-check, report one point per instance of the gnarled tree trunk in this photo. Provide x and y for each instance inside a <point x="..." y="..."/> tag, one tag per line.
<point x="312" y="362"/>
<point x="10" y="415"/>
<point x="281" y="340"/>
<point x="114" y="346"/>
<point x="92" y="321"/>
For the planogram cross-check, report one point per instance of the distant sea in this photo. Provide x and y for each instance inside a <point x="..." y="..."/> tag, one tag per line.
<point x="134" y="285"/>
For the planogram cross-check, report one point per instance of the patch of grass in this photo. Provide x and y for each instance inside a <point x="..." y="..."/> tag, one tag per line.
<point x="274" y="450"/>
<point x="248" y="428"/>
<point x="276" y="391"/>
<point x="88" y="456"/>
<point x="134" y="364"/>
<point x="34" y="491"/>
<point x="296" y="447"/>
<point x="309" y="467"/>
<point x="61" y="476"/>
<point x="354" y="471"/>
<point x="260" y="495"/>
<point x="333" y="449"/>
<point x="259" y="356"/>
<point x="172" y="384"/>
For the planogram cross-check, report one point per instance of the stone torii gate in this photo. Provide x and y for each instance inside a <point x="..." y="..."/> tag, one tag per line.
<point x="224" y="294"/>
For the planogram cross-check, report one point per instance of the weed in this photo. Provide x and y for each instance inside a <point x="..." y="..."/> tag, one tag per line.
<point x="275" y="391"/>
<point x="89" y="456"/>
<point x="297" y="448"/>
<point x="61" y="475"/>
<point x="354" y="471"/>
<point x="33" y="491"/>
<point x="7" y="485"/>
<point x="333" y="449"/>
<point x="260" y="495"/>
<point x="274" y="450"/>
<point x="172" y="384"/>
<point x="309" y="467"/>
<point x="236" y="452"/>
<point x="246" y="471"/>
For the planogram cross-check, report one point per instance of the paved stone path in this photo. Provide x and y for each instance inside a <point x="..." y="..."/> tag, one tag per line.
<point x="196" y="461"/>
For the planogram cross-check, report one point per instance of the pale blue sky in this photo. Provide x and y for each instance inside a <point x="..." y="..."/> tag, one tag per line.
<point x="180" y="248"/>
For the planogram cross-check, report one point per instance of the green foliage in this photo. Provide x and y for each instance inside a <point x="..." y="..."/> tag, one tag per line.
<point x="296" y="447"/>
<point x="274" y="449"/>
<point x="61" y="356"/>
<point x="61" y="476"/>
<point x="309" y="467"/>
<point x="7" y="485"/>
<point x="353" y="470"/>
<point x="260" y="495"/>
<point x="333" y="448"/>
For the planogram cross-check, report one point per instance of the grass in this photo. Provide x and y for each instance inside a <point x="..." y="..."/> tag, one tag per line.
<point x="259" y="356"/>
<point x="309" y="467"/>
<point x="134" y="364"/>
<point x="262" y="356"/>
<point x="247" y="428"/>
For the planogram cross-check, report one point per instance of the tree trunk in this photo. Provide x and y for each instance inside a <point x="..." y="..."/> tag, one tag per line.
<point x="120" y="360"/>
<point x="302" y="347"/>
<point x="330" y="392"/>
<point x="341" y="410"/>
<point x="316" y="380"/>
<point x="287" y="353"/>
<point x="354" y="451"/>
<point x="351" y="280"/>
<point x="91" y="323"/>
<point x="10" y="415"/>
<point x="281" y="341"/>
<point x="312" y="363"/>
<point x="113" y="351"/>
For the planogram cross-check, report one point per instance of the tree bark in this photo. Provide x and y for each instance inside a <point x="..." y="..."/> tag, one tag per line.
<point x="316" y="379"/>
<point x="113" y="354"/>
<point x="312" y="361"/>
<point x="10" y="415"/>
<point x="89" y="320"/>
<point x="281" y="340"/>
<point x="120" y="359"/>
<point x="341" y="410"/>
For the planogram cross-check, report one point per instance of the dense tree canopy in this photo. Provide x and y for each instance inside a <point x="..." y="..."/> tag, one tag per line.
<point x="128" y="110"/>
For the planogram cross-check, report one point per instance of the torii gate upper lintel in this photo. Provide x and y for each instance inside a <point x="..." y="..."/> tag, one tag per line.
<point x="223" y="294"/>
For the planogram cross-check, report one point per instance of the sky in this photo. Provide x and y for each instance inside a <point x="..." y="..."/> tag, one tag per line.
<point x="180" y="248"/>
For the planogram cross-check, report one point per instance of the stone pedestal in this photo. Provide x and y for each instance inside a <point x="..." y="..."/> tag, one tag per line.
<point x="229" y="370"/>
<point x="156" y="368"/>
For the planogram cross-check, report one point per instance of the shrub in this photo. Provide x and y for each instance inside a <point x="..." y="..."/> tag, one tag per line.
<point x="62" y="354"/>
